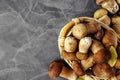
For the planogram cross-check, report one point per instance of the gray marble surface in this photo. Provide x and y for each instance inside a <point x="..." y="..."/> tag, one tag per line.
<point x="28" y="34"/>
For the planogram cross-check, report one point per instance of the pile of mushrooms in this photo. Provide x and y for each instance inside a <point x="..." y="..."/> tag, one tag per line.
<point x="89" y="49"/>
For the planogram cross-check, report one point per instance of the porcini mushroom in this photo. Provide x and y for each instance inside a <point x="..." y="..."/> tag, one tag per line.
<point x="110" y="5"/>
<point x="84" y="45"/>
<point x="96" y="46"/>
<point x="57" y="68"/>
<point x="89" y="62"/>
<point x="79" y="31"/>
<point x="70" y="44"/>
<point x="110" y="39"/>
<point x="69" y="55"/>
<point x="104" y="71"/>
<point x="99" y="13"/>
<point x="77" y="68"/>
<point x="101" y="55"/>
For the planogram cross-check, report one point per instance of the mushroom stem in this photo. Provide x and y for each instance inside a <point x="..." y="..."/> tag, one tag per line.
<point x="68" y="74"/>
<point x="87" y="63"/>
<point x="96" y="46"/>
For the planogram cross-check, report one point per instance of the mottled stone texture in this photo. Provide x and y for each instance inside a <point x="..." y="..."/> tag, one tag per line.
<point x="28" y="34"/>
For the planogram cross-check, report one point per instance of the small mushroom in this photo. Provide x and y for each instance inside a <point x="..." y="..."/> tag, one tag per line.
<point x="92" y="27"/>
<point x="110" y="39"/>
<point x="85" y="44"/>
<point x="79" y="31"/>
<point x="101" y="55"/>
<point x="69" y="55"/>
<point x="110" y="5"/>
<point x="57" y="68"/>
<point x="89" y="62"/>
<point x="77" y="68"/>
<point x="104" y="71"/>
<point x="96" y="46"/>
<point x="99" y="13"/>
<point x="105" y="19"/>
<point x="115" y="20"/>
<point x="70" y="44"/>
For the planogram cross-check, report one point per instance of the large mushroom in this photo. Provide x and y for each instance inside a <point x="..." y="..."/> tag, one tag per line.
<point x="82" y="29"/>
<point x="57" y="68"/>
<point x="104" y="71"/>
<point x="84" y="45"/>
<point x="101" y="55"/>
<point x="110" y="5"/>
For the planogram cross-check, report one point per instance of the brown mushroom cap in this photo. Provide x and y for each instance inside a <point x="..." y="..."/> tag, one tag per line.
<point x="55" y="69"/>
<point x="69" y="55"/>
<point x="79" y="31"/>
<point x="96" y="46"/>
<point x="101" y="56"/>
<point x="110" y="39"/>
<point x="103" y="70"/>
<point x="81" y="56"/>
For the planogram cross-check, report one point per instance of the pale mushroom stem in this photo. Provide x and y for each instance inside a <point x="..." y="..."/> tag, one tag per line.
<point x="68" y="74"/>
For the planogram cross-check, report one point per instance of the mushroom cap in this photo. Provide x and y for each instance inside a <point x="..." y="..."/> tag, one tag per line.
<point x="79" y="30"/>
<point x="101" y="56"/>
<point x="84" y="44"/>
<point x="81" y="56"/>
<point x="69" y="55"/>
<point x="100" y="12"/>
<point x="96" y="46"/>
<point x="89" y="62"/>
<point x="103" y="70"/>
<point x="70" y="44"/>
<point x="55" y="68"/>
<point x="110" y="39"/>
<point x="110" y="5"/>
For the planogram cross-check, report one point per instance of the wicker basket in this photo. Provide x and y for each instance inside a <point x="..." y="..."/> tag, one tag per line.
<point x="66" y="29"/>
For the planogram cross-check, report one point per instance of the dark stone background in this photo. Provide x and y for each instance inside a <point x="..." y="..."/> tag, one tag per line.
<point x="28" y="34"/>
